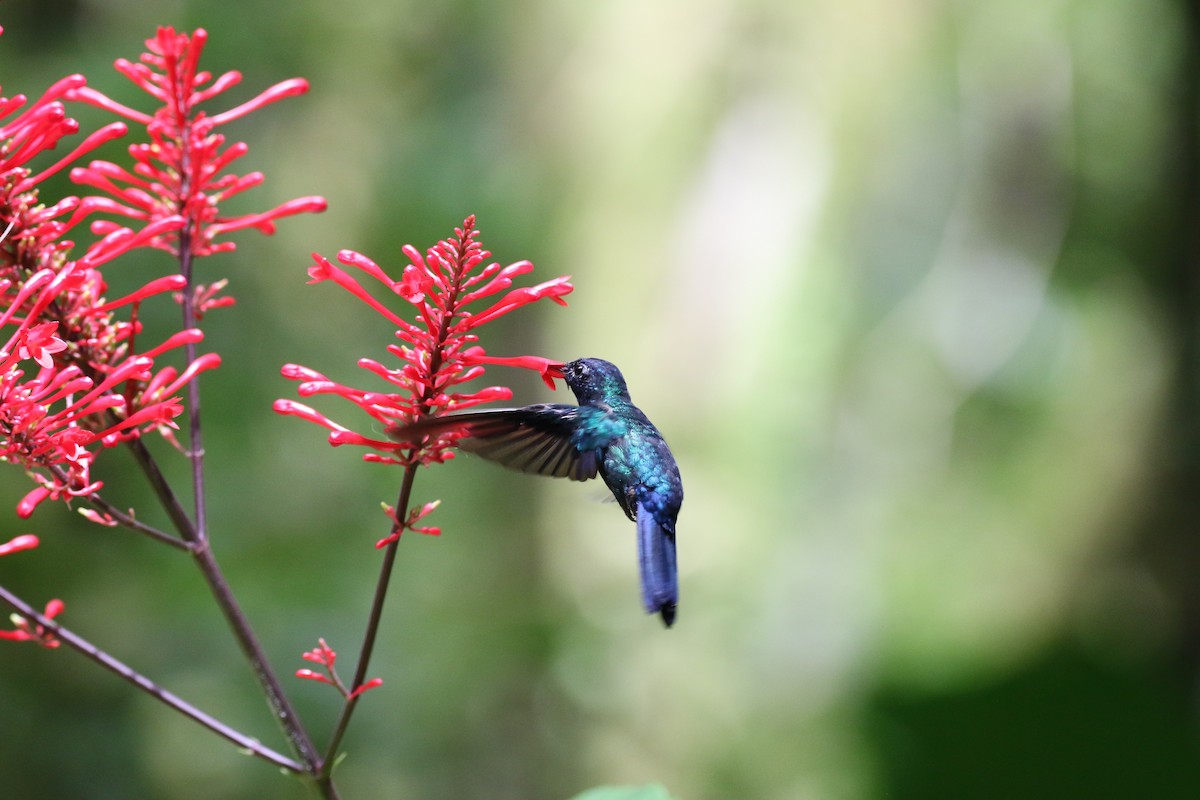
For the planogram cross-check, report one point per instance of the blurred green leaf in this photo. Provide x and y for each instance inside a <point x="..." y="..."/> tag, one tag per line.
<point x="650" y="792"/>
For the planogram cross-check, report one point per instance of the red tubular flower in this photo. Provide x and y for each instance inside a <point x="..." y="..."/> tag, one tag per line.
<point x="181" y="170"/>
<point x="207" y="298"/>
<point x="325" y="655"/>
<point x="415" y="515"/>
<point x="439" y="350"/>
<point x="32" y="227"/>
<point x="24" y="631"/>
<point x="26" y="542"/>
<point x="106" y="394"/>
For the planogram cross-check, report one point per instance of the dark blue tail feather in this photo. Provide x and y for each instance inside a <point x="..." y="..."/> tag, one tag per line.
<point x="656" y="557"/>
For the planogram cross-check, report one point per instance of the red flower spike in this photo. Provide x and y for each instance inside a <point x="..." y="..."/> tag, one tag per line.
<point x="66" y="359"/>
<point x="439" y="350"/>
<point x="180" y="171"/>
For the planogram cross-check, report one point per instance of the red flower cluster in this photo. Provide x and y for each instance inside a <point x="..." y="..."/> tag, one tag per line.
<point x="325" y="655"/>
<point x="438" y="351"/>
<point x="48" y="421"/>
<point x="56" y="317"/>
<point x="24" y="631"/>
<point x="414" y="516"/>
<point x="91" y="386"/>
<point x="181" y="170"/>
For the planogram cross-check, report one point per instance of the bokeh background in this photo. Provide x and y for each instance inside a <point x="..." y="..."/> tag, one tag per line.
<point x="910" y="287"/>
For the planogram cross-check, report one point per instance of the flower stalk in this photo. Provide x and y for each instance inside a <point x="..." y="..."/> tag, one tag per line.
<point x="438" y="354"/>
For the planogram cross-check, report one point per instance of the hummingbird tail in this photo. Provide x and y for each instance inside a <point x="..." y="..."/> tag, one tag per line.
<point x="656" y="557"/>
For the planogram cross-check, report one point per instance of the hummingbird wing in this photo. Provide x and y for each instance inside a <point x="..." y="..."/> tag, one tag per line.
<point x="534" y="439"/>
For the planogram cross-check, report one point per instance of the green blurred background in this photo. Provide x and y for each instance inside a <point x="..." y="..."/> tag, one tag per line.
<point x="910" y="287"/>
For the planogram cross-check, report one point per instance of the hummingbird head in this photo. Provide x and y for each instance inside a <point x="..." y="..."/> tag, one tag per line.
<point x="594" y="380"/>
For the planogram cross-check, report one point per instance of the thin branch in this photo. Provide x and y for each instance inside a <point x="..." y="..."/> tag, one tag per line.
<point x="368" y="645"/>
<point x="148" y="686"/>
<point x="198" y="545"/>
<point x="162" y="489"/>
<point x="197" y="530"/>
<point x="281" y="707"/>
<point x="123" y="518"/>
<point x="126" y="520"/>
<point x="196" y="449"/>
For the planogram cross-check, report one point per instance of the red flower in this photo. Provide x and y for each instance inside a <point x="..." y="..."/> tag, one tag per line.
<point x="325" y="655"/>
<point x="439" y="350"/>
<point x="91" y="386"/>
<point x="26" y="542"/>
<point x="206" y="298"/>
<point x="23" y="631"/>
<point x="415" y="515"/>
<point x="181" y="170"/>
<point x="40" y="343"/>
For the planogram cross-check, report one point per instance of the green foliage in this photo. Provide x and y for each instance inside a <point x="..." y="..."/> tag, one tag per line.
<point x="906" y="287"/>
<point x="651" y="791"/>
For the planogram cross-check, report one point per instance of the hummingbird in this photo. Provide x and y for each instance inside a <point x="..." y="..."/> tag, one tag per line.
<point x="605" y="435"/>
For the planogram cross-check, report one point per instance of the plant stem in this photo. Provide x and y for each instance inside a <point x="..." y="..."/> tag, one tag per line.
<point x="196" y="450"/>
<point x="195" y="532"/>
<point x="148" y="686"/>
<point x="368" y="645"/>
<point x="200" y="548"/>
<point x="132" y="523"/>
<point x="124" y="519"/>
<point x="166" y="496"/>
<point x="389" y="558"/>
<point x="281" y="707"/>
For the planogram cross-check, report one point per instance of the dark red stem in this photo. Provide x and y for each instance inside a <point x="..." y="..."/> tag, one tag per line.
<point x="148" y="686"/>
<point x="372" y="631"/>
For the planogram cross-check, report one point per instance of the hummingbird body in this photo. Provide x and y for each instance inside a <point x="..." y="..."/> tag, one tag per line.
<point x="605" y="435"/>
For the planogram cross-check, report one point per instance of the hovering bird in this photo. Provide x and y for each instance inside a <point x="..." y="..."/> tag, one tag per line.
<point x="606" y="434"/>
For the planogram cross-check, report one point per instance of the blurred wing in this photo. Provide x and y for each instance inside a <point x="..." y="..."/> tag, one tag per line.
<point x="534" y="439"/>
